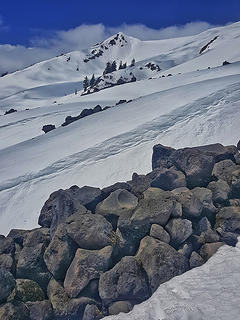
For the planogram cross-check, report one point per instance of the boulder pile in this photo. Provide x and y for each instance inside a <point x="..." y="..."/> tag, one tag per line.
<point x="100" y="252"/>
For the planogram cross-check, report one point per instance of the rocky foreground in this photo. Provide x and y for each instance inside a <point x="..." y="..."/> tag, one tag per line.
<point x="100" y="252"/>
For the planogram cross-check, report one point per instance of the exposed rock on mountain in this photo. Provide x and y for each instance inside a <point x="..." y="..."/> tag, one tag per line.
<point x="100" y="252"/>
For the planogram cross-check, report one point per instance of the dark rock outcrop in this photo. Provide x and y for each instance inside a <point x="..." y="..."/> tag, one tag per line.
<point x="126" y="281"/>
<point x="179" y="230"/>
<point x="196" y="166"/>
<point x="10" y="111"/>
<point x="86" y="266"/>
<point x="31" y="264"/>
<point x="100" y="252"/>
<point x="48" y="127"/>
<point x="7" y="284"/>
<point x="159" y="233"/>
<point x="118" y="203"/>
<point x="209" y="249"/>
<point x="160" y="261"/>
<point x="168" y="179"/>
<point x="90" y="231"/>
<point x="161" y="156"/>
<point x="60" y="253"/>
<point x="92" y="312"/>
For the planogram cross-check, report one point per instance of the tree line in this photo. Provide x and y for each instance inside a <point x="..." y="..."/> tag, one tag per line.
<point x="110" y="67"/>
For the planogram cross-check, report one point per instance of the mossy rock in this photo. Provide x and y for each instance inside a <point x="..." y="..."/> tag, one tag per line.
<point x="27" y="290"/>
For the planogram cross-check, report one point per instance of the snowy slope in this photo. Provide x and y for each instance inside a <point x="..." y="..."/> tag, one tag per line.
<point x="210" y="292"/>
<point x="191" y="108"/>
<point x="108" y="146"/>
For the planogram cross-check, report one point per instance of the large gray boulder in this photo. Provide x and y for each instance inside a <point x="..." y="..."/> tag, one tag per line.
<point x="209" y="249"/>
<point x="60" y="205"/>
<point x="119" y="185"/>
<point x="206" y="232"/>
<point x="40" y="310"/>
<point x="18" y="236"/>
<point x="7" y="284"/>
<point x="90" y="231"/>
<point x="196" y="202"/>
<point x="160" y="261"/>
<point x="161" y="155"/>
<point x="139" y="184"/>
<point x="195" y="162"/>
<point x="92" y="312"/>
<point x="229" y="238"/>
<point x="218" y="151"/>
<point x="168" y="179"/>
<point x="37" y="236"/>
<point x="228" y="219"/>
<point x="14" y="310"/>
<point x="220" y="191"/>
<point x="116" y="204"/>
<point x="195" y="260"/>
<point x="60" y="253"/>
<point x="7" y="262"/>
<point x="179" y="230"/>
<point x="128" y="239"/>
<point x="7" y="245"/>
<point x="196" y="166"/>
<point x="86" y="266"/>
<point x="204" y="195"/>
<point x="120" y="306"/>
<point x="30" y="261"/>
<point x="125" y="281"/>
<point x="88" y="196"/>
<point x="63" y="306"/>
<point x="159" y="233"/>
<point x="223" y="170"/>
<point x="156" y="208"/>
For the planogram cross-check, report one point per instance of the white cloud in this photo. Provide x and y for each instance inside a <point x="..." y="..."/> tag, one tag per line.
<point x="13" y="58"/>
<point x="145" y="33"/>
<point x="84" y="36"/>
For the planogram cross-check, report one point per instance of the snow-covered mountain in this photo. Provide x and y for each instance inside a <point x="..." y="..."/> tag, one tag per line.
<point x="197" y="104"/>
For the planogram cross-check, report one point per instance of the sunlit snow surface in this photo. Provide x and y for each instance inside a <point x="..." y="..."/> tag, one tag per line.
<point x="187" y="109"/>
<point x="210" y="292"/>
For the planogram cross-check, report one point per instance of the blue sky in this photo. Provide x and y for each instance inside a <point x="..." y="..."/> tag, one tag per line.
<point x="31" y="31"/>
<point x="24" y="20"/>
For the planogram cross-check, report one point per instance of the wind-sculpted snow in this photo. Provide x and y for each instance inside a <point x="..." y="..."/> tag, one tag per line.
<point x="209" y="292"/>
<point x="105" y="153"/>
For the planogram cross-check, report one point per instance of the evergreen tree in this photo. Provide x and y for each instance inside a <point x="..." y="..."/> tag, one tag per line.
<point x="108" y="68"/>
<point x="132" y="63"/>
<point x="124" y="65"/>
<point x="85" y="83"/>
<point x="120" y="65"/>
<point x="114" y="66"/>
<point x="92" y="81"/>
